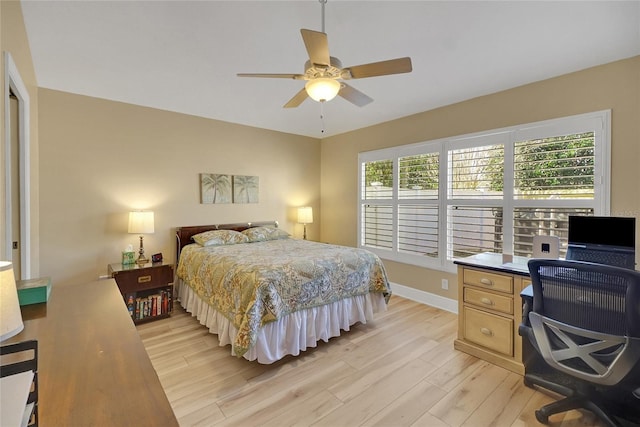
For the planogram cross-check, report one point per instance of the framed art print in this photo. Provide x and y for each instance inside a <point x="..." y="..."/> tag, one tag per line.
<point x="215" y="188"/>
<point x="245" y="189"/>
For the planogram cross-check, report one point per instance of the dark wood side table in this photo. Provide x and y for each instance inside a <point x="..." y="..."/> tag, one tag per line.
<point x="146" y="290"/>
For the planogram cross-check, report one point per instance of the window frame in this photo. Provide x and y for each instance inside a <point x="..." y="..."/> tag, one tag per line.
<point x="599" y="122"/>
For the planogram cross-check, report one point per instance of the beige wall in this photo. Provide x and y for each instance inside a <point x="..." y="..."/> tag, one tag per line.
<point x="614" y="86"/>
<point x="13" y="39"/>
<point x="100" y="159"/>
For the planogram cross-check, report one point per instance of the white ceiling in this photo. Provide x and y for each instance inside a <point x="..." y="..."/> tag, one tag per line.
<point x="183" y="56"/>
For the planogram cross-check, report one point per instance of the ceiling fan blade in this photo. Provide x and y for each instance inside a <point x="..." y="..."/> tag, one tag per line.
<point x="297" y="99"/>
<point x="317" y="46"/>
<point x="354" y="96"/>
<point x="276" y="76"/>
<point x="382" y="68"/>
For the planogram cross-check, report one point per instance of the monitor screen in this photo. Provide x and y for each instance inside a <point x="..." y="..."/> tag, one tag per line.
<point x="603" y="231"/>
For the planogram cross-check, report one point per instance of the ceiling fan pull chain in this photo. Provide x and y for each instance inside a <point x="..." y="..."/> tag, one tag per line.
<point x="322" y="117"/>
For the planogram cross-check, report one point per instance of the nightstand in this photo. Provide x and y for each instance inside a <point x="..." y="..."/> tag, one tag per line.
<point x="146" y="290"/>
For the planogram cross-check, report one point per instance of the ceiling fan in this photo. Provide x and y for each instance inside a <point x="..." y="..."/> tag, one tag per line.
<point x="324" y="73"/>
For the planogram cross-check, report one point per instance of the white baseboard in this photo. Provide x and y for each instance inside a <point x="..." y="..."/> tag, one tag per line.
<point x="423" y="297"/>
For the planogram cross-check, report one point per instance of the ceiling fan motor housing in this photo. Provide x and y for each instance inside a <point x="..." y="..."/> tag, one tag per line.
<point x="332" y="71"/>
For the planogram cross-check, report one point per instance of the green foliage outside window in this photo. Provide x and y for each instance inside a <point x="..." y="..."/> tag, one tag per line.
<point x="565" y="163"/>
<point x="379" y="173"/>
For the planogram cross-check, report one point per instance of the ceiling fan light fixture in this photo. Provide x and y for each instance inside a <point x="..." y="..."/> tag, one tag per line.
<point x="322" y="89"/>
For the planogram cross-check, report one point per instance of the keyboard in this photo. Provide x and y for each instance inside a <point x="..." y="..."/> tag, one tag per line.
<point x="618" y="259"/>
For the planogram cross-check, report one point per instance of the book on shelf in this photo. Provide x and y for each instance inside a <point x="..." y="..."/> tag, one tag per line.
<point x="165" y="305"/>
<point x="139" y="308"/>
<point x="154" y="299"/>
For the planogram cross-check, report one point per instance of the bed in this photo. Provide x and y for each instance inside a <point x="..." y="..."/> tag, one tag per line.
<point x="269" y="295"/>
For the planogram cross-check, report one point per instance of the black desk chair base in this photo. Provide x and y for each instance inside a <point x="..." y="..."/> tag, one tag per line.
<point x="573" y="400"/>
<point x="615" y="406"/>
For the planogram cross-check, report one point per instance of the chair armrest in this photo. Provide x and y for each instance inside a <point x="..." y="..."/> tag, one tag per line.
<point x="527" y="304"/>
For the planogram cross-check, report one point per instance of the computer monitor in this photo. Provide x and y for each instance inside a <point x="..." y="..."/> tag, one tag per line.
<point x="602" y="239"/>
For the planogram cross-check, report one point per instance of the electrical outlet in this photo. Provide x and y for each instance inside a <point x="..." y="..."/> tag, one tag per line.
<point x="445" y="284"/>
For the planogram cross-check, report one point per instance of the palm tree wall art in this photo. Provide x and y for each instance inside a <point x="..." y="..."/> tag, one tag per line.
<point x="215" y="188"/>
<point x="245" y="189"/>
<point x="220" y="188"/>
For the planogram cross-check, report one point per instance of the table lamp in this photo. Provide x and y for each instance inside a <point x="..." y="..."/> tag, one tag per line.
<point x="305" y="216"/>
<point x="10" y="315"/>
<point x="141" y="222"/>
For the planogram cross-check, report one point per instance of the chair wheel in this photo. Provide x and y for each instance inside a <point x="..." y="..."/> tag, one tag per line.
<point x="541" y="417"/>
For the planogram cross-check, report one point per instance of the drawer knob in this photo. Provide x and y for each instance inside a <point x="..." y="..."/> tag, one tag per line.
<point x="486" y="331"/>
<point x="486" y="301"/>
<point x="144" y="279"/>
<point x="486" y="281"/>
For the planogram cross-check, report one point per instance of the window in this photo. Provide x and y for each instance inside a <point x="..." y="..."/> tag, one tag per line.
<point x="430" y="203"/>
<point x="418" y="204"/>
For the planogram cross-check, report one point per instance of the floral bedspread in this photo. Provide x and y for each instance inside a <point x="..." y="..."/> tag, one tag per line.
<point x="252" y="284"/>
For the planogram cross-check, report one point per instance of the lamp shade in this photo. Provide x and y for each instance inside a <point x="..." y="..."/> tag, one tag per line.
<point x="322" y="89"/>
<point x="305" y="215"/>
<point x="141" y="222"/>
<point x="10" y="315"/>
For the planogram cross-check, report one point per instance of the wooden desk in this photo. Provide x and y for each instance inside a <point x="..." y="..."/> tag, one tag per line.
<point x="490" y="308"/>
<point x="92" y="367"/>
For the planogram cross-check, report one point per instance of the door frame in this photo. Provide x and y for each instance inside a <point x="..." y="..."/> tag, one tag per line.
<point x="13" y="83"/>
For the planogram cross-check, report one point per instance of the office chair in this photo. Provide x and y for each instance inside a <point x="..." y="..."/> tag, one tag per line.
<point x="583" y="333"/>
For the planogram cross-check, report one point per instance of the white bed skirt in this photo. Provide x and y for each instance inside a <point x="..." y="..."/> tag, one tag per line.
<point x="291" y="334"/>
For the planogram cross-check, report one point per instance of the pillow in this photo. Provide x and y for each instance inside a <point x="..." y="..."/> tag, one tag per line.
<point x="260" y="234"/>
<point x="219" y="237"/>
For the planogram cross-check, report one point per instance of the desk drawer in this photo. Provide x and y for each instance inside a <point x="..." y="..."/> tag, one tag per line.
<point x="489" y="330"/>
<point x="489" y="300"/>
<point x="130" y="281"/>
<point x="496" y="282"/>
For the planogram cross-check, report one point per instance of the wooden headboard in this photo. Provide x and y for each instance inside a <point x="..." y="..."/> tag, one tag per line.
<point x="184" y="234"/>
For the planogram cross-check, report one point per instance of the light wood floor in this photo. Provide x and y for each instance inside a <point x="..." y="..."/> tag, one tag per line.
<point x="400" y="370"/>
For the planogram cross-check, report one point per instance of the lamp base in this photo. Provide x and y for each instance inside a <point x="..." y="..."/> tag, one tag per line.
<point x="142" y="260"/>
